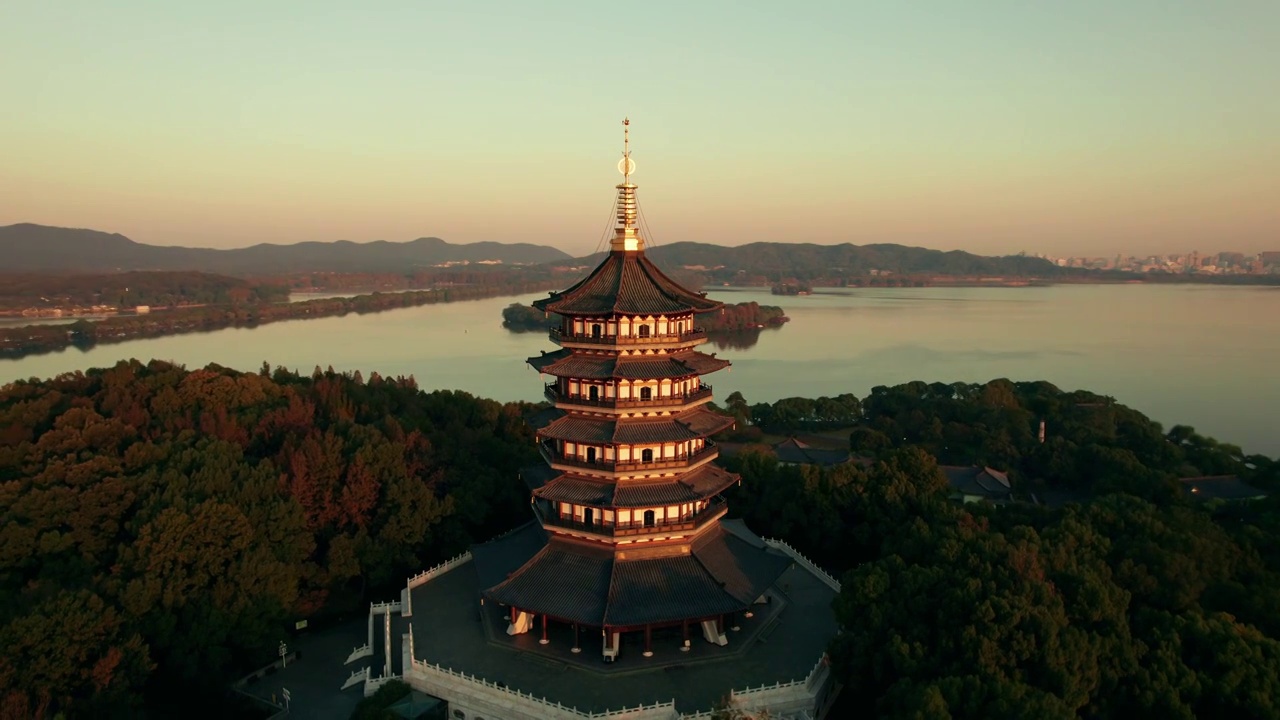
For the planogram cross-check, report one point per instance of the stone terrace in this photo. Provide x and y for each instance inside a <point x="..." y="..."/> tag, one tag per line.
<point x="780" y="643"/>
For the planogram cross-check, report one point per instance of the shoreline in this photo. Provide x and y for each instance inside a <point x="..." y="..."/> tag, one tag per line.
<point x="22" y="341"/>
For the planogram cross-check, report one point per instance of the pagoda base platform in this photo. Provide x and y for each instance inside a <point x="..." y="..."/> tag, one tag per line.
<point x="462" y="654"/>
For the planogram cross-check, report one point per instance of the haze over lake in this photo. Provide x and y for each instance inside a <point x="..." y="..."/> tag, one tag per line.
<point x="1197" y="355"/>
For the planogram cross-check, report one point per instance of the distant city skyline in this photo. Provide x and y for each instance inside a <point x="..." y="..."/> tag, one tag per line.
<point x="1088" y="129"/>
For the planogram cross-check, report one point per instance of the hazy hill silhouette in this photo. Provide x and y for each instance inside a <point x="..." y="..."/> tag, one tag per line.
<point x="39" y="248"/>
<point x="807" y="260"/>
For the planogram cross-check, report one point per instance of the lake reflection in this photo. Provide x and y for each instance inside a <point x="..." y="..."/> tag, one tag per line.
<point x="1196" y="355"/>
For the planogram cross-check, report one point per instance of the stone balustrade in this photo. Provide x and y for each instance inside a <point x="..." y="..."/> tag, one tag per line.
<point x="808" y="564"/>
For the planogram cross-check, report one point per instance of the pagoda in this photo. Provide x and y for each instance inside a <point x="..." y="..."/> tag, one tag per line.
<point x="629" y="534"/>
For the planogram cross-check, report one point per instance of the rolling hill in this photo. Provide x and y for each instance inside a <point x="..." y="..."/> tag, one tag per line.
<point x="39" y="248"/>
<point x="806" y="260"/>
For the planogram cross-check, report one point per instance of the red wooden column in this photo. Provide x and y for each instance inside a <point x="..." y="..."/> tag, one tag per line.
<point x="544" y="639"/>
<point x="648" y="641"/>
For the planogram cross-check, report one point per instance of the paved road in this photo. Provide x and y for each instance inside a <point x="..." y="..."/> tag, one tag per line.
<point x="314" y="679"/>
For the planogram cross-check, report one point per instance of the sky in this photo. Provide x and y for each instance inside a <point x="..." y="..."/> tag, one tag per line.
<point x="994" y="126"/>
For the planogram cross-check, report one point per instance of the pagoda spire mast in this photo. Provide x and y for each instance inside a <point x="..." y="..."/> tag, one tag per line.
<point x="626" y="232"/>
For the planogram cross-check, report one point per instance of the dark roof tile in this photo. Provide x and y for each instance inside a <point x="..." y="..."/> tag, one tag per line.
<point x="705" y="482"/>
<point x="629" y="284"/>
<point x="696" y="423"/>
<point x="561" y="580"/>
<point x="567" y="363"/>
<point x="726" y="572"/>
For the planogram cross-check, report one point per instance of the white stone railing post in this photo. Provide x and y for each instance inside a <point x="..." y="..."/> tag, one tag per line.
<point x="805" y="562"/>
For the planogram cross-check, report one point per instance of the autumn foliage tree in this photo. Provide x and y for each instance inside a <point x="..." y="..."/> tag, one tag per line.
<point x="159" y="527"/>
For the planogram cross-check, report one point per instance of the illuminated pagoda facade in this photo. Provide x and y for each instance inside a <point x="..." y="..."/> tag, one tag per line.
<point x="628" y="503"/>
<point x="628" y="547"/>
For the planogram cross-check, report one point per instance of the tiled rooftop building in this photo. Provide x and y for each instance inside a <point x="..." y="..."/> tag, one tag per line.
<point x="629" y="580"/>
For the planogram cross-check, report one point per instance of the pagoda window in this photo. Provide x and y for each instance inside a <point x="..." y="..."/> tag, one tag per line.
<point x="646" y="393"/>
<point x="594" y="393"/>
<point x="644" y="331"/>
<point x="591" y="454"/>
<point x="662" y="326"/>
<point x="624" y="517"/>
<point x="646" y="455"/>
<point x="588" y="516"/>
<point x="650" y="519"/>
<point x="606" y="517"/>
<point x="596" y="330"/>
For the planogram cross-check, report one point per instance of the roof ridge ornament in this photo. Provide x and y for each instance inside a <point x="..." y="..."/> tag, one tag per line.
<point x="626" y="232"/>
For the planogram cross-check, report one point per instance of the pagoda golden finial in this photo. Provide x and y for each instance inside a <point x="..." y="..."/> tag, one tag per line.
<point x="626" y="165"/>
<point x="626" y="236"/>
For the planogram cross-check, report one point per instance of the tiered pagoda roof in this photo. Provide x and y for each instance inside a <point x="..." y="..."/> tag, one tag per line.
<point x="697" y="423"/>
<point x="705" y="482"/>
<point x="725" y="570"/>
<point x="630" y="528"/>
<point x="626" y="283"/>
<point x="567" y="363"/>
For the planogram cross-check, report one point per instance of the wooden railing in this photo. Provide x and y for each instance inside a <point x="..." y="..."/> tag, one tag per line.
<point x="553" y="394"/>
<point x="550" y="454"/>
<point x="637" y="527"/>
<point x="559" y="335"/>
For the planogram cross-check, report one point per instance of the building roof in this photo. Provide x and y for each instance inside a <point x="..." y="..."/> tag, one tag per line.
<point x="1220" y="487"/>
<point x="566" y="363"/>
<point x="978" y="481"/>
<point x="796" y="452"/>
<point x="696" y="423"/>
<point x="704" y="482"/>
<point x="626" y="283"/>
<point x="726" y="570"/>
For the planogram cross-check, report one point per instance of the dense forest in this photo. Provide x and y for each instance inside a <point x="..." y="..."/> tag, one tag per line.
<point x="1133" y="601"/>
<point x="130" y="289"/>
<point x="160" y="527"/>
<point x="36" y="339"/>
<point x="731" y="318"/>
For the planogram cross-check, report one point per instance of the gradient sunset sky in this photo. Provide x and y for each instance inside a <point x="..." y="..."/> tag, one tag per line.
<point x="993" y="126"/>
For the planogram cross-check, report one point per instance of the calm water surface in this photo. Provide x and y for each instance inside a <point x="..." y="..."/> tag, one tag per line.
<point x="1198" y="355"/>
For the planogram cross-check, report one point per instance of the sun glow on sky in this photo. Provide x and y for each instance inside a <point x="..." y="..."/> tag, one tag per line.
<point x="997" y="127"/>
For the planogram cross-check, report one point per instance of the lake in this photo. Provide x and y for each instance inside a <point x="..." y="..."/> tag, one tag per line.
<point x="1197" y="355"/>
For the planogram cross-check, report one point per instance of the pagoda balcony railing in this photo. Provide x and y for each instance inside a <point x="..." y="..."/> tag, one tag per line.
<point x="560" y="335"/>
<point x="553" y="394"/>
<point x="635" y="527"/>
<point x="550" y="454"/>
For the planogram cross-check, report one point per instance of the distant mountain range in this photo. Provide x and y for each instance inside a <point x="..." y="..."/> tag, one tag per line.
<point x="38" y="248"/>
<point x="806" y="260"/>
